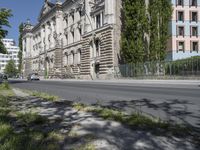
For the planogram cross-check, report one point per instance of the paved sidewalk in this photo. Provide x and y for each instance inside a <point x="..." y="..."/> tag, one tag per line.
<point x="104" y="134"/>
<point x="131" y="81"/>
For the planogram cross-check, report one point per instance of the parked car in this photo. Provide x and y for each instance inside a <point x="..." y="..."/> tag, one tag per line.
<point x="1" y="77"/>
<point x="33" y="76"/>
<point x="5" y="77"/>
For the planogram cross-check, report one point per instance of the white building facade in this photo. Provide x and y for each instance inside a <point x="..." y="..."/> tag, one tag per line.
<point x="12" y="54"/>
<point x="74" y="39"/>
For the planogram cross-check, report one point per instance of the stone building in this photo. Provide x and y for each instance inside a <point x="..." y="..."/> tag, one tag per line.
<point x="74" y="39"/>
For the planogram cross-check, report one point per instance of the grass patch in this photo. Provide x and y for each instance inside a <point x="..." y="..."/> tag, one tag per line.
<point x="5" y="90"/>
<point x="28" y="118"/>
<point x="5" y="129"/>
<point x="29" y="138"/>
<point x="135" y="120"/>
<point x="25" y="130"/>
<point x="5" y="86"/>
<point x="45" y="96"/>
<point x="4" y="101"/>
<point x="86" y="147"/>
<point x="56" y="136"/>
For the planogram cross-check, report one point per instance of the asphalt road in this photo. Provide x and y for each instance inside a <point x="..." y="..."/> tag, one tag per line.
<point x="171" y="100"/>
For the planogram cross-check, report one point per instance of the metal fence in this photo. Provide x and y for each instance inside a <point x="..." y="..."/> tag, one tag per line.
<point x="182" y="68"/>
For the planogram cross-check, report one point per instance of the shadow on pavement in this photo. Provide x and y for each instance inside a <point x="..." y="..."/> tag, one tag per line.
<point x="63" y="118"/>
<point x="177" y="111"/>
<point x="17" y="81"/>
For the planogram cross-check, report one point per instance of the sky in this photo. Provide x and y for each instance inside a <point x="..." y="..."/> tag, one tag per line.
<point x="21" y="10"/>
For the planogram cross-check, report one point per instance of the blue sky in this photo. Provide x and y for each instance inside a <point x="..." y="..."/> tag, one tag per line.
<point x="21" y="10"/>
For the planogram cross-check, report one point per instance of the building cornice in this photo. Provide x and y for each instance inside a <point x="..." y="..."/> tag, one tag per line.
<point x="104" y="28"/>
<point x="36" y="27"/>
<point x="72" y="44"/>
<point x="67" y="2"/>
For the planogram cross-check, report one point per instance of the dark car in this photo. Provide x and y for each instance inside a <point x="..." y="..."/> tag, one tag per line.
<point x="5" y="77"/>
<point x="33" y="76"/>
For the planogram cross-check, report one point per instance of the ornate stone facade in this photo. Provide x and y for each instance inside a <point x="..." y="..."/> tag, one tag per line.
<point x="74" y="39"/>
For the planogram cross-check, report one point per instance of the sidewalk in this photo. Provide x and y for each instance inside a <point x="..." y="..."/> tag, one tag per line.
<point x="146" y="81"/>
<point x="83" y="128"/>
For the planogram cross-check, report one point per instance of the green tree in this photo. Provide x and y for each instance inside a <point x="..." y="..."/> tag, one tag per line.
<point x="160" y="14"/>
<point x="10" y="68"/>
<point x="145" y="30"/>
<point x="21" y="26"/>
<point x="4" y="16"/>
<point x="135" y="25"/>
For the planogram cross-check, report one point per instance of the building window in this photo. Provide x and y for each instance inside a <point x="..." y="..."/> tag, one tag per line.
<point x="193" y="16"/>
<point x="72" y="17"/>
<point x="72" y="32"/>
<point x="73" y="58"/>
<point x="66" y="59"/>
<point x="194" y="46"/>
<point x="79" y="56"/>
<point x="80" y="12"/>
<point x="193" y="3"/>
<point x="98" y="21"/>
<point x="66" y="38"/>
<point x="66" y="21"/>
<point x="179" y="2"/>
<point x="194" y="31"/>
<point x="181" y="46"/>
<point x="80" y="32"/>
<point x="180" y="16"/>
<point x="180" y="31"/>
<point x="97" y="48"/>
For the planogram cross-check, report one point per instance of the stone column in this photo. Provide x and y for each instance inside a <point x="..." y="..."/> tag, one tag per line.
<point x="59" y="23"/>
<point x="42" y="38"/>
<point x="101" y="18"/>
<point x="110" y="11"/>
<point x="88" y="19"/>
<point x="28" y="45"/>
<point x="52" y="31"/>
<point x="46" y="36"/>
<point x="24" y="47"/>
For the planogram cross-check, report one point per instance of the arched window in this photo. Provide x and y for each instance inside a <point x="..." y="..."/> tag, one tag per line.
<point x="72" y="58"/>
<point x="66" y="58"/>
<point x="91" y="50"/>
<point x="97" y="48"/>
<point x="79" y="56"/>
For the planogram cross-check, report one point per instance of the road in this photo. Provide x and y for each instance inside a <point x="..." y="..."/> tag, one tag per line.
<point x="177" y="101"/>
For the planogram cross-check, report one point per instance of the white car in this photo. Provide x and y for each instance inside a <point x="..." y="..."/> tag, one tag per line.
<point x="33" y="76"/>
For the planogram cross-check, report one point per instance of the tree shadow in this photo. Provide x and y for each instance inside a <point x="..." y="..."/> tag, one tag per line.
<point x="63" y="118"/>
<point x="170" y="110"/>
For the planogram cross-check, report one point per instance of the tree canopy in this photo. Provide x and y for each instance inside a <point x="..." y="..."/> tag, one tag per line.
<point x="145" y="30"/>
<point x="10" y="68"/>
<point x="21" y="26"/>
<point x="4" y="16"/>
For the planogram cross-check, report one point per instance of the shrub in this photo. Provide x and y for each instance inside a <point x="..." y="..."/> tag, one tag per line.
<point x="4" y="86"/>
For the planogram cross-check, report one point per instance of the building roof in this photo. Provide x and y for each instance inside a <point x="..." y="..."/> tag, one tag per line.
<point x="46" y="8"/>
